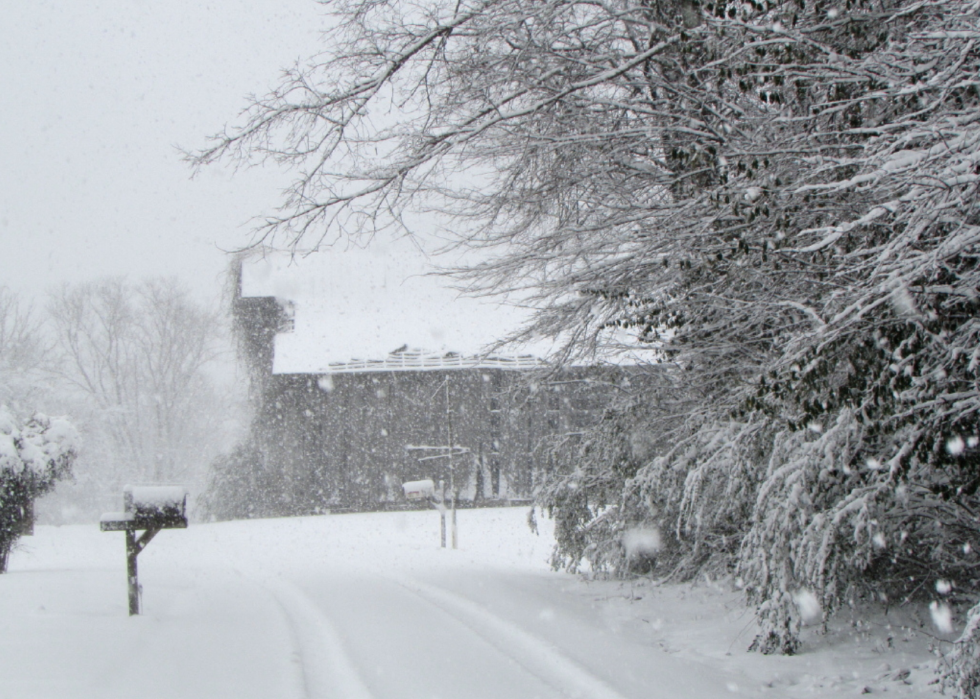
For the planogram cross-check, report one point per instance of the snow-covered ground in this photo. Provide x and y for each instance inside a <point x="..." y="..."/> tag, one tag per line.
<point x="368" y="605"/>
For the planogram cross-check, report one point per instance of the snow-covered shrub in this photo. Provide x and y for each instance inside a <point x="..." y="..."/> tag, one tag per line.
<point x="794" y="542"/>
<point x="585" y="496"/>
<point x="699" y="490"/>
<point x="34" y="455"/>
<point x="862" y="493"/>
<point x="961" y="668"/>
<point x="239" y="487"/>
<point x="589" y="492"/>
<point x="649" y="467"/>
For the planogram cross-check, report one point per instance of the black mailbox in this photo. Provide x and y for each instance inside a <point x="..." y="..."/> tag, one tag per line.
<point x="156" y="506"/>
<point x="149" y="507"/>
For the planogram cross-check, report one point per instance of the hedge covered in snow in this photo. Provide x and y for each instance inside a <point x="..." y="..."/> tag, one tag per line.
<point x="34" y="455"/>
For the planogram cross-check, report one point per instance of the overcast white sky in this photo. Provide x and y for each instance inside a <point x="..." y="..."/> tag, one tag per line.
<point x="95" y="97"/>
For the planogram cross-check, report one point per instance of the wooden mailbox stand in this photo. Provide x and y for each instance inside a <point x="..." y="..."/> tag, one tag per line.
<point x="149" y="508"/>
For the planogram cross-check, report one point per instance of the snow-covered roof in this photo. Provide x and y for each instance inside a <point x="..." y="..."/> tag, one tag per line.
<point x="417" y="360"/>
<point x="380" y="308"/>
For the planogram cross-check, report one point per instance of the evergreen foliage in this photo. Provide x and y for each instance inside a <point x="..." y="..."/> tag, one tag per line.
<point x="236" y="487"/>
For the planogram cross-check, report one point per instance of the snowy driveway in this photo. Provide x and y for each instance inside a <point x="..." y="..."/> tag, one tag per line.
<point x="351" y="606"/>
<point x="482" y="635"/>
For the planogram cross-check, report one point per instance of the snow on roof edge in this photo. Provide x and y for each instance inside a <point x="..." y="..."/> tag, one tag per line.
<point x="417" y="360"/>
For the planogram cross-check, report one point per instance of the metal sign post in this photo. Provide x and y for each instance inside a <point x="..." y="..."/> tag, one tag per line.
<point x="441" y="506"/>
<point x="417" y="490"/>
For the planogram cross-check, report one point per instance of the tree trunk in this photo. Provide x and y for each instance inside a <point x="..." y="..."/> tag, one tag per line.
<point x="6" y="543"/>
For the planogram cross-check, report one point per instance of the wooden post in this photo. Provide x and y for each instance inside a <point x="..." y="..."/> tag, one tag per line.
<point x="452" y="525"/>
<point x="131" y="552"/>
<point x="133" y="548"/>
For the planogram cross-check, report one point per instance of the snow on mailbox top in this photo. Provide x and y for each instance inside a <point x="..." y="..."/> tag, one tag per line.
<point x="156" y="506"/>
<point x="154" y="496"/>
<point x="418" y="489"/>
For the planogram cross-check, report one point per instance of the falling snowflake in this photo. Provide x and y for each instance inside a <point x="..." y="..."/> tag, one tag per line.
<point x="809" y="606"/>
<point x="903" y="303"/>
<point x="942" y="616"/>
<point x="641" y="541"/>
<point x="955" y="445"/>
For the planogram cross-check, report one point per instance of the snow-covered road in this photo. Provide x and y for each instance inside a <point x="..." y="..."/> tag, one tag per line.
<point x="351" y="606"/>
<point x="491" y="636"/>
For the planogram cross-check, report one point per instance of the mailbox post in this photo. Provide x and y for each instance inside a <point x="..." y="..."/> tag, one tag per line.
<point x="443" y="452"/>
<point x="149" y="508"/>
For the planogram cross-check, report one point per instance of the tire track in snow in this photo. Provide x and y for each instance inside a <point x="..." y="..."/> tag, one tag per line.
<point x="327" y="668"/>
<point x="531" y="652"/>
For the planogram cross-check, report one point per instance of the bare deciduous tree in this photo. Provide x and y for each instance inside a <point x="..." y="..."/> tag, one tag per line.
<point x="23" y="353"/>
<point x="138" y="354"/>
